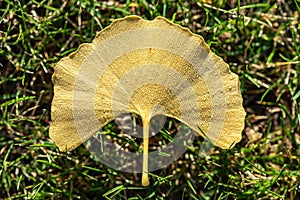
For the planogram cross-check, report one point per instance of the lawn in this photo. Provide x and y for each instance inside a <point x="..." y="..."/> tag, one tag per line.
<point x="260" y="40"/>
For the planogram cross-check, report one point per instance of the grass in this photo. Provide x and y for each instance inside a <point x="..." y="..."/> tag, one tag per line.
<point x="258" y="39"/>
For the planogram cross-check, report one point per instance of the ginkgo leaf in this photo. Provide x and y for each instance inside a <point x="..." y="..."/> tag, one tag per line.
<point x="148" y="68"/>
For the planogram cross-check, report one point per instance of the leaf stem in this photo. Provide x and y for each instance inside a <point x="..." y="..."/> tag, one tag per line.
<point x="146" y="125"/>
